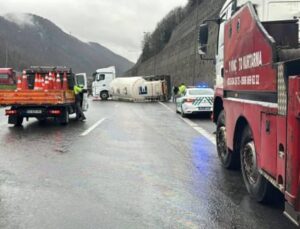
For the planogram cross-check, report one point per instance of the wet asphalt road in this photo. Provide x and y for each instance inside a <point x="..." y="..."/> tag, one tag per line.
<point x="142" y="167"/>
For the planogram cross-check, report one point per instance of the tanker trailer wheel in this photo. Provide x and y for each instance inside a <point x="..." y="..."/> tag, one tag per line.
<point x="229" y="159"/>
<point x="104" y="95"/>
<point x="256" y="184"/>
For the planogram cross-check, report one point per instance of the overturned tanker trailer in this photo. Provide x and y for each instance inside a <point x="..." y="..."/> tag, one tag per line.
<point x="141" y="88"/>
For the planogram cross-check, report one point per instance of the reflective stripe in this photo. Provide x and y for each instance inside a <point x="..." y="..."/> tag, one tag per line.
<point x="199" y="100"/>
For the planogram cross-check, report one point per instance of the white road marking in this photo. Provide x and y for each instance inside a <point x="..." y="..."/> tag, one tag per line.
<point x="93" y="127"/>
<point x="2" y="113"/>
<point x="168" y="108"/>
<point x="195" y="126"/>
<point x="4" y="123"/>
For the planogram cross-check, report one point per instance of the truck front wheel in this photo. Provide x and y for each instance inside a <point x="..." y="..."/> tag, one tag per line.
<point x="229" y="159"/>
<point x="256" y="184"/>
<point x="104" y="95"/>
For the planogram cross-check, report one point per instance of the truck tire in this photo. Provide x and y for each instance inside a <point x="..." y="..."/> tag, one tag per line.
<point x="64" y="119"/>
<point x="42" y="121"/>
<point x="229" y="159"/>
<point x="104" y="95"/>
<point x="15" y="120"/>
<point x="257" y="185"/>
<point x="19" y="121"/>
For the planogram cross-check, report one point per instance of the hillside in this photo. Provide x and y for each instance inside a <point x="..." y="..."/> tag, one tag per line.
<point x="27" y="40"/>
<point x="180" y="58"/>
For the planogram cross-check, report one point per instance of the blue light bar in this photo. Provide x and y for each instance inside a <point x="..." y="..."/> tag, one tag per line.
<point x="203" y="85"/>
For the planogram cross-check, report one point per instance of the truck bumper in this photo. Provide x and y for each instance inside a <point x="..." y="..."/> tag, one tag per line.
<point x="38" y="111"/>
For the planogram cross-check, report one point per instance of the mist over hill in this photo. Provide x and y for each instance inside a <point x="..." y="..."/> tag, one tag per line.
<point x="29" y="40"/>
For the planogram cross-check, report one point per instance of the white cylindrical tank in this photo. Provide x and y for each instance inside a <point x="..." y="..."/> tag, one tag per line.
<point x="135" y="89"/>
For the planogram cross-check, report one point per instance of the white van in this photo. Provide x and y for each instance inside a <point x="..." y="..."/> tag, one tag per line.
<point x="101" y="82"/>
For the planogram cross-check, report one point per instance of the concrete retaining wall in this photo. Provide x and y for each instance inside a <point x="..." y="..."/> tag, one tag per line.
<point x="180" y="57"/>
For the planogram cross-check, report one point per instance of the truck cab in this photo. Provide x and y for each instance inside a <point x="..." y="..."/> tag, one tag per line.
<point x="101" y="82"/>
<point x="7" y="77"/>
<point x="267" y="10"/>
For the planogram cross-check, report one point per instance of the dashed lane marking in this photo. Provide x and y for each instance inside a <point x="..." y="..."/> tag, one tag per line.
<point x="195" y="126"/>
<point x="93" y="127"/>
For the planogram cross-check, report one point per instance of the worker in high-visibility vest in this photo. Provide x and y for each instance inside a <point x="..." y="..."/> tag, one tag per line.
<point x="78" y="91"/>
<point x="182" y="89"/>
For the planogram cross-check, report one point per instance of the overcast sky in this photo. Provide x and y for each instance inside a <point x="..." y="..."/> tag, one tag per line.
<point x="117" y="24"/>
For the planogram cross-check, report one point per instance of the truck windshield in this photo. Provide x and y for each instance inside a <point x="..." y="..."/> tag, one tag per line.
<point x="284" y="10"/>
<point x="3" y="76"/>
<point x="100" y="77"/>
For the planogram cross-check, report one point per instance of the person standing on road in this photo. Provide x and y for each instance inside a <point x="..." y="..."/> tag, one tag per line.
<point x="175" y="93"/>
<point x="78" y="91"/>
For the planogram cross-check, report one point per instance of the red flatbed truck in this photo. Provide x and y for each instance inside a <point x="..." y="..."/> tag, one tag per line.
<point x="257" y="107"/>
<point x="41" y="103"/>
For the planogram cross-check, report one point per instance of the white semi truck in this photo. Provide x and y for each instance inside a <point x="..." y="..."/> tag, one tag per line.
<point x="101" y="82"/>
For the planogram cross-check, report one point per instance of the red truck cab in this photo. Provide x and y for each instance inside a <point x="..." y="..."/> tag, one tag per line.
<point x="7" y="76"/>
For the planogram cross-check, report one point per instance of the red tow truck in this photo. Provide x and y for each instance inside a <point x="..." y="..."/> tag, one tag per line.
<point x="257" y="107"/>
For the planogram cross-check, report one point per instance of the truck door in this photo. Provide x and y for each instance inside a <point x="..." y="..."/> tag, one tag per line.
<point x="81" y="79"/>
<point x="100" y="84"/>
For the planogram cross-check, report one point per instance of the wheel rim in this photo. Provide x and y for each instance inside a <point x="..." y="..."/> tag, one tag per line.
<point x="221" y="142"/>
<point x="104" y="96"/>
<point x="249" y="162"/>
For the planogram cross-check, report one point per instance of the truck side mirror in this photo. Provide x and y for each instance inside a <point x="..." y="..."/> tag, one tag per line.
<point x="203" y="39"/>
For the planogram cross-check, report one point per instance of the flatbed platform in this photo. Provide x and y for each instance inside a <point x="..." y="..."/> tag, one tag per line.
<point x="34" y="97"/>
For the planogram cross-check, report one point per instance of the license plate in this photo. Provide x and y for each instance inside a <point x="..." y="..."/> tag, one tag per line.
<point x="204" y="108"/>
<point x="34" y="112"/>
